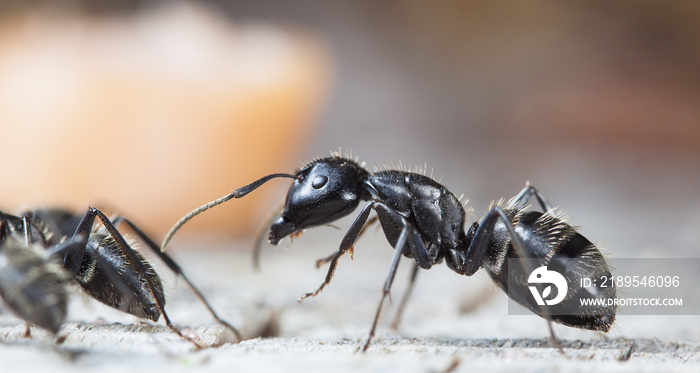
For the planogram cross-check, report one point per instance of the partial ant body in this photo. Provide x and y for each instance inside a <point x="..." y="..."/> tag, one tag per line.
<point x="101" y="260"/>
<point x="32" y="282"/>
<point x="424" y="221"/>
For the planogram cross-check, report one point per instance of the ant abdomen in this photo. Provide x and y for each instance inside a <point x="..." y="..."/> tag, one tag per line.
<point x="551" y="241"/>
<point x="135" y="296"/>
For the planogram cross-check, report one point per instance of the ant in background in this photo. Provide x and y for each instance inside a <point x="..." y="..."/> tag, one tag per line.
<point x="102" y="261"/>
<point x="32" y="282"/>
<point x="424" y="221"/>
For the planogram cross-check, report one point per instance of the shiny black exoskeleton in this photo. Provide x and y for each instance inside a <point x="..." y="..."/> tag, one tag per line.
<point x="101" y="260"/>
<point x="422" y="220"/>
<point x="106" y="267"/>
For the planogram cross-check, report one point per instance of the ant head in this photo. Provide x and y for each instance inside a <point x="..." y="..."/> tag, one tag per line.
<point x="323" y="191"/>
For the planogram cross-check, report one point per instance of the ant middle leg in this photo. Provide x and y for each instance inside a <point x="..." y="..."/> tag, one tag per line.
<point x="408" y="238"/>
<point x="348" y="242"/>
<point x="391" y="221"/>
<point x="406" y="296"/>
<point x="409" y="288"/>
<point x="393" y="266"/>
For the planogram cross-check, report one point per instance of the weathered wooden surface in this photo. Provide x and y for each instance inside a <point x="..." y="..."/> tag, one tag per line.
<point x="452" y="322"/>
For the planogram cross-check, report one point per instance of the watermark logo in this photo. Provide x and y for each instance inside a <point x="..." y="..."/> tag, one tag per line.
<point x="597" y="286"/>
<point x="542" y="276"/>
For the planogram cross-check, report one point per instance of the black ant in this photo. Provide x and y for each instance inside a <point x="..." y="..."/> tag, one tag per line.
<point x="103" y="262"/>
<point x="424" y="221"/>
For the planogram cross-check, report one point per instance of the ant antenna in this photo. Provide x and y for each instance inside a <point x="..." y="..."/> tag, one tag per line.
<point x="238" y="193"/>
<point x="260" y="237"/>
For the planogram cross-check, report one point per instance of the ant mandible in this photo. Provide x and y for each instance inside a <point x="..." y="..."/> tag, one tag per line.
<point x="424" y="221"/>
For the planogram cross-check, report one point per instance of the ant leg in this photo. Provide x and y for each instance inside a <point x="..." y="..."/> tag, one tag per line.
<point x="370" y="221"/>
<point x="178" y="271"/>
<point x="44" y="217"/>
<point x="409" y="236"/>
<point x="327" y="259"/>
<point x="27" y="226"/>
<point x="2" y="225"/>
<point x="480" y="243"/>
<point x="524" y="196"/>
<point x="117" y="219"/>
<point x="392" y="224"/>
<point x="345" y="245"/>
<point x="78" y="244"/>
<point x="481" y="240"/>
<point x="393" y="266"/>
<point x="404" y="299"/>
<point x="28" y="229"/>
<point x="388" y="218"/>
<point x="552" y="337"/>
<point x="72" y="244"/>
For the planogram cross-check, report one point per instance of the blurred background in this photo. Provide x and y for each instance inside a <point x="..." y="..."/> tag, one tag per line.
<point x="152" y="108"/>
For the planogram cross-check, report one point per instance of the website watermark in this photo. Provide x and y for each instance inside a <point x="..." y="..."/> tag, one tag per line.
<point x="594" y="286"/>
<point x="621" y="302"/>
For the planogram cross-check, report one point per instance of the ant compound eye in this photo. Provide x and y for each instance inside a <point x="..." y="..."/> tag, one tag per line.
<point x="319" y="182"/>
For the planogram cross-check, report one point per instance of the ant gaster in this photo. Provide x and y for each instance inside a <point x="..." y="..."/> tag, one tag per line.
<point x="424" y="221"/>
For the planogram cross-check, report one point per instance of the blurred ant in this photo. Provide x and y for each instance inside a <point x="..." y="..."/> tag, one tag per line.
<point x="424" y="221"/>
<point x="32" y="282"/>
<point x="104" y="264"/>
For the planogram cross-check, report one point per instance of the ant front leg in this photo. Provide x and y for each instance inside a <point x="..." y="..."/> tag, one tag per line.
<point x="391" y="222"/>
<point x="390" y="217"/>
<point x="346" y="245"/>
<point x="362" y="223"/>
<point x="327" y="259"/>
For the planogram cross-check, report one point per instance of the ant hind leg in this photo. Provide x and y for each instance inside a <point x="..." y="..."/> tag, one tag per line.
<point x="480" y="244"/>
<point x="406" y="296"/>
<point x="178" y="271"/>
<point x="522" y="198"/>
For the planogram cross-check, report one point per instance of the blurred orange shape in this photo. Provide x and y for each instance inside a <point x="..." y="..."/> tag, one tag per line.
<point x="152" y="114"/>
